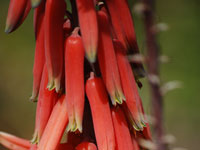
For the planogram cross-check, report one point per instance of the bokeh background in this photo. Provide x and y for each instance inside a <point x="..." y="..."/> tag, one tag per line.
<point x="180" y="43"/>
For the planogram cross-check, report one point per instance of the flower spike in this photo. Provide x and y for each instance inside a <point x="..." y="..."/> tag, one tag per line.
<point x="101" y="115"/>
<point x="108" y="62"/>
<point x="89" y="27"/>
<point x="104" y="112"/>
<point x="74" y="80"/>
<point x="54" y="41"/>
<point x="17" y="13"/>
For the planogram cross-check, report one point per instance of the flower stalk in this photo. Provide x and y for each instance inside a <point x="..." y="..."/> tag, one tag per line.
<point x="153" y="64"/>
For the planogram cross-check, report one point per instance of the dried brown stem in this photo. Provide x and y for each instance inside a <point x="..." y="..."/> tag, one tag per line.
<point x="153" y="72"/>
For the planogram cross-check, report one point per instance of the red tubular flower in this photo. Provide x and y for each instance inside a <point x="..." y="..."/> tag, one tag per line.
<point x="124" y="18"/>
<point x="54" y="41"/>
<point x="17" y="12"/>
<point x="124" y="30"/>
<point x="122" y="133"/>
<point x="74" y="80"/>
<point x="13" y="142"/>
<point x="107" y="61"/>
<point x="89" y="27"/>
<point x="127" y="24"/>
<point x="86" y="146"/>
<point x="39" y="61"/>
<point x="130" y="35"/>
<point x="55" y="127"/>
<point x="101" y="114"/>
<point x="38" y="17"/>
<point x="116" y="22"/>
<point x="46" y="102"/>
<point x="129" y="87"/>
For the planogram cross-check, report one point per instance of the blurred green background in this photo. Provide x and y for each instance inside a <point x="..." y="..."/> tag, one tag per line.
<point x="180" y="43"/>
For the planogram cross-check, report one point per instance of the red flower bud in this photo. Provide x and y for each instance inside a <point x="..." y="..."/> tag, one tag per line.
<point x="54" y="41"/>
<point x="129" y="87"/>
<point x="39" y="61"/>
<point x="89" y="27"/>
<point x="17" y="13"/>
<point x="74" y="80"/>
<point x="124" y="29"/>
<point x="101" y="114"/>
<point x="45" y="104"/>
<point x="108" y="62"/>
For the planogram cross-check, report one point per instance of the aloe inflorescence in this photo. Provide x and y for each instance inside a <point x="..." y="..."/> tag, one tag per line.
<point x="83" y="83"/>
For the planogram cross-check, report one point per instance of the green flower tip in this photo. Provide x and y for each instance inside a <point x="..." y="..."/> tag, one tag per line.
<point x="91" y="56"/>
<point x="35" y="3"/>
<point x="8" y="29"/>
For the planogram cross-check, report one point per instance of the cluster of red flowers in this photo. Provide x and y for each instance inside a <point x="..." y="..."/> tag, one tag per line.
<point x="84" y="84"/>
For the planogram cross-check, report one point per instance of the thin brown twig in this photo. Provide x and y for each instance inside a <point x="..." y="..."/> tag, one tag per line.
<point x="153" y="65"/>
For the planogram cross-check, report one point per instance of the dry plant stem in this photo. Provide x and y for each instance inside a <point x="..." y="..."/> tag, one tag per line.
<point x="153" y="71"/>
<point x="74" y="13"/>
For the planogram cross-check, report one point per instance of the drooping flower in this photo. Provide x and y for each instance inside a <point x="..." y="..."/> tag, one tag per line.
<point x="129" y="87"/>
<point x="89" y="27"/>
<point x="54" y="41"/>
<point x="39" y="60"/>
<point x="101" y="113"/>
<point x="108" y="62"/>
<point x="74" y="80"/>
<point x="124" y="30"/>
<point x="17" y="13"/>
<point x="46" y="101"/>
